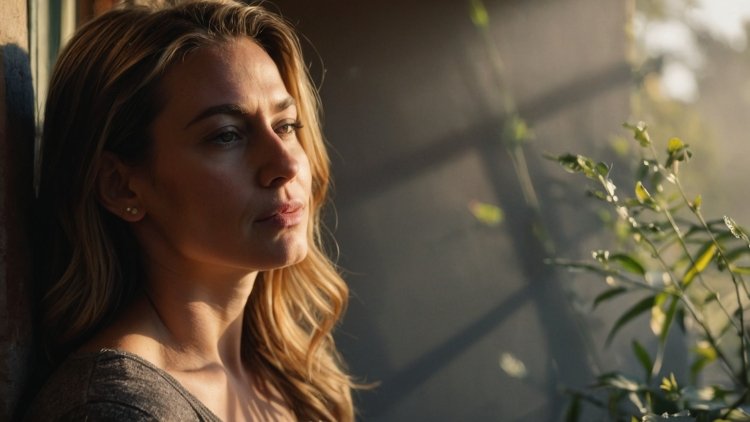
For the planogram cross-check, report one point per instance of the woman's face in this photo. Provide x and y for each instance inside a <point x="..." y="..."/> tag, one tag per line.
<point x="228" y="184"/>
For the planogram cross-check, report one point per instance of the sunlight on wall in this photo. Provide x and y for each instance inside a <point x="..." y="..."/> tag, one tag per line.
<point x="725" y="20"/>
<point x="673" y="37"/>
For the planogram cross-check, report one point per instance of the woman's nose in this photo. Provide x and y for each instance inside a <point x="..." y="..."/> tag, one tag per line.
<point x="280" y="163"/>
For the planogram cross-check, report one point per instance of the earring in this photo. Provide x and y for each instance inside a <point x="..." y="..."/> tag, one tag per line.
<point x="131" y="210"/>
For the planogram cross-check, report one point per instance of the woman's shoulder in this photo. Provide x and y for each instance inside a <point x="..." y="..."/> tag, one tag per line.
<point x="114" y="385"/>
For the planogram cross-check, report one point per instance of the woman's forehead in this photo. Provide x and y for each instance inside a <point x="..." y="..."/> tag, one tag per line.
<point x="237" y="59"/>
<point x="237" y="71"/>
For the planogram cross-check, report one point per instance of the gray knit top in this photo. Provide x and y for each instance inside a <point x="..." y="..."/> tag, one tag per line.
<point x="112" y="385"/>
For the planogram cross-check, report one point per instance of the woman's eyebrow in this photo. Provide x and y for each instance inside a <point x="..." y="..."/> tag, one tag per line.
<point x="236" y="110"/>
<point x="285" y="104"/>
<point x="231" y="109"/>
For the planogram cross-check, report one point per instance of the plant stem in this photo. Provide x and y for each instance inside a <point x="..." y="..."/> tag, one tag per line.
<point x="742" y="376"/>
<point x="740" y="307"/>
<point x="681" y="294"/>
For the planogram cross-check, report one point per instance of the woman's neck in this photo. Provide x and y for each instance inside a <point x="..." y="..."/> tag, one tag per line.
<point x="193" y="329"/>
<point x="198" y="319"/>
<point x="183" y="323"/>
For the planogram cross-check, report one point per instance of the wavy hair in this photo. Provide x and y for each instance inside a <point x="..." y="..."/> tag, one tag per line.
<point x="103" y="97"/>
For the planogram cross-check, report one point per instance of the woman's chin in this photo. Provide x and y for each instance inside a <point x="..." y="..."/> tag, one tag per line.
<point x="289" y="254"/>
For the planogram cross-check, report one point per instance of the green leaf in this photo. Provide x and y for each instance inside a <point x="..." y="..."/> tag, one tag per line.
<point x="640" y="133"/>
<point x="584" y="266"/>
<point x="597" y="194"/>
<point x="578" y="164"/>
<point x="642" y="194"/>
<point x="644" y="305"/>
<point x="479" y="15"/>
<point x="658" y="316"/>
<point x="618" y="381"/>
<point x="620" y="145"/>
<point x="741" y="413"/>
<point x="609" y="294"/>
<point x="706" y="354"/>
<point x="487" y="214"/>
<point x="602" y="169"/>
<point x="696" y="204"/>
<point x="517" y="131"/>
<point x="643" y="358"/>
<point x="573" y="413"/>
<point x="628" y="263"/>
<point x="700" y="264"/>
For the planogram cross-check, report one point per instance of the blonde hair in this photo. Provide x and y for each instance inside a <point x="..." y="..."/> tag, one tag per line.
<point x="103" y="96"/>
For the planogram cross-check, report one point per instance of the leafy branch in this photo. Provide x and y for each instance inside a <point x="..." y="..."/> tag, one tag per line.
<point x="671" y="245"/>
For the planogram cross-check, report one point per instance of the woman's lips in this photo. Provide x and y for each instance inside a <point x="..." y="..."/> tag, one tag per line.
<point x="287" y="214"/>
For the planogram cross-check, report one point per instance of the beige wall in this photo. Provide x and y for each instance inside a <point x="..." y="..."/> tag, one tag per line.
<point x="16" y="150"/>
<point x="414" y="112"/>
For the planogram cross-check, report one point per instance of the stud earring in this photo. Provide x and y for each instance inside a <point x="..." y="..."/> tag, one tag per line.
<point x="131" y="210"/>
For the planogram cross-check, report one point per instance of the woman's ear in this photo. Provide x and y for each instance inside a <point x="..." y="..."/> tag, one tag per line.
<point x="114" y="191"/>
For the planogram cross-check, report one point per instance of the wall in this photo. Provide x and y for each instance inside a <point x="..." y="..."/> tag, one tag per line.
<point x="16" y="149"/>
<point x="415" y="111"/>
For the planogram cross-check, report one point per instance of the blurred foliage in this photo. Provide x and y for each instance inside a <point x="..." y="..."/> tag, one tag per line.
<point x="682" y="271"/>
<point x="514" y="135"/>
<point x="487" y="214"/>
<point x="673" y="266"/>
<point x="672" y="116"/>
<point x="648" y="101"/>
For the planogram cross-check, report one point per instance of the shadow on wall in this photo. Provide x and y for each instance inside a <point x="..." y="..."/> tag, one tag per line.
<point x="16" y="193"/>
<point x="542" y="288"/>
<point x="560" y="337"/>
<point x="415" y="121"/>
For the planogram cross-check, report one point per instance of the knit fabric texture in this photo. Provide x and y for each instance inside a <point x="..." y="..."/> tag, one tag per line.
<point x="112" y="385"/>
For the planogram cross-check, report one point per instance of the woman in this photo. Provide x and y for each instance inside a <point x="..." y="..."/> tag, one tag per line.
<point x="182" y="176"/>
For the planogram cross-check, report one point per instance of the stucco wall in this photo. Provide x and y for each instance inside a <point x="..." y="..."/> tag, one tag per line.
<point x="414" y="115"/>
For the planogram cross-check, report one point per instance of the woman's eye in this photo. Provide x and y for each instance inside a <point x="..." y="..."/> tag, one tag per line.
<point x="289" y="127"/>
<point x="226" y="138"/>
